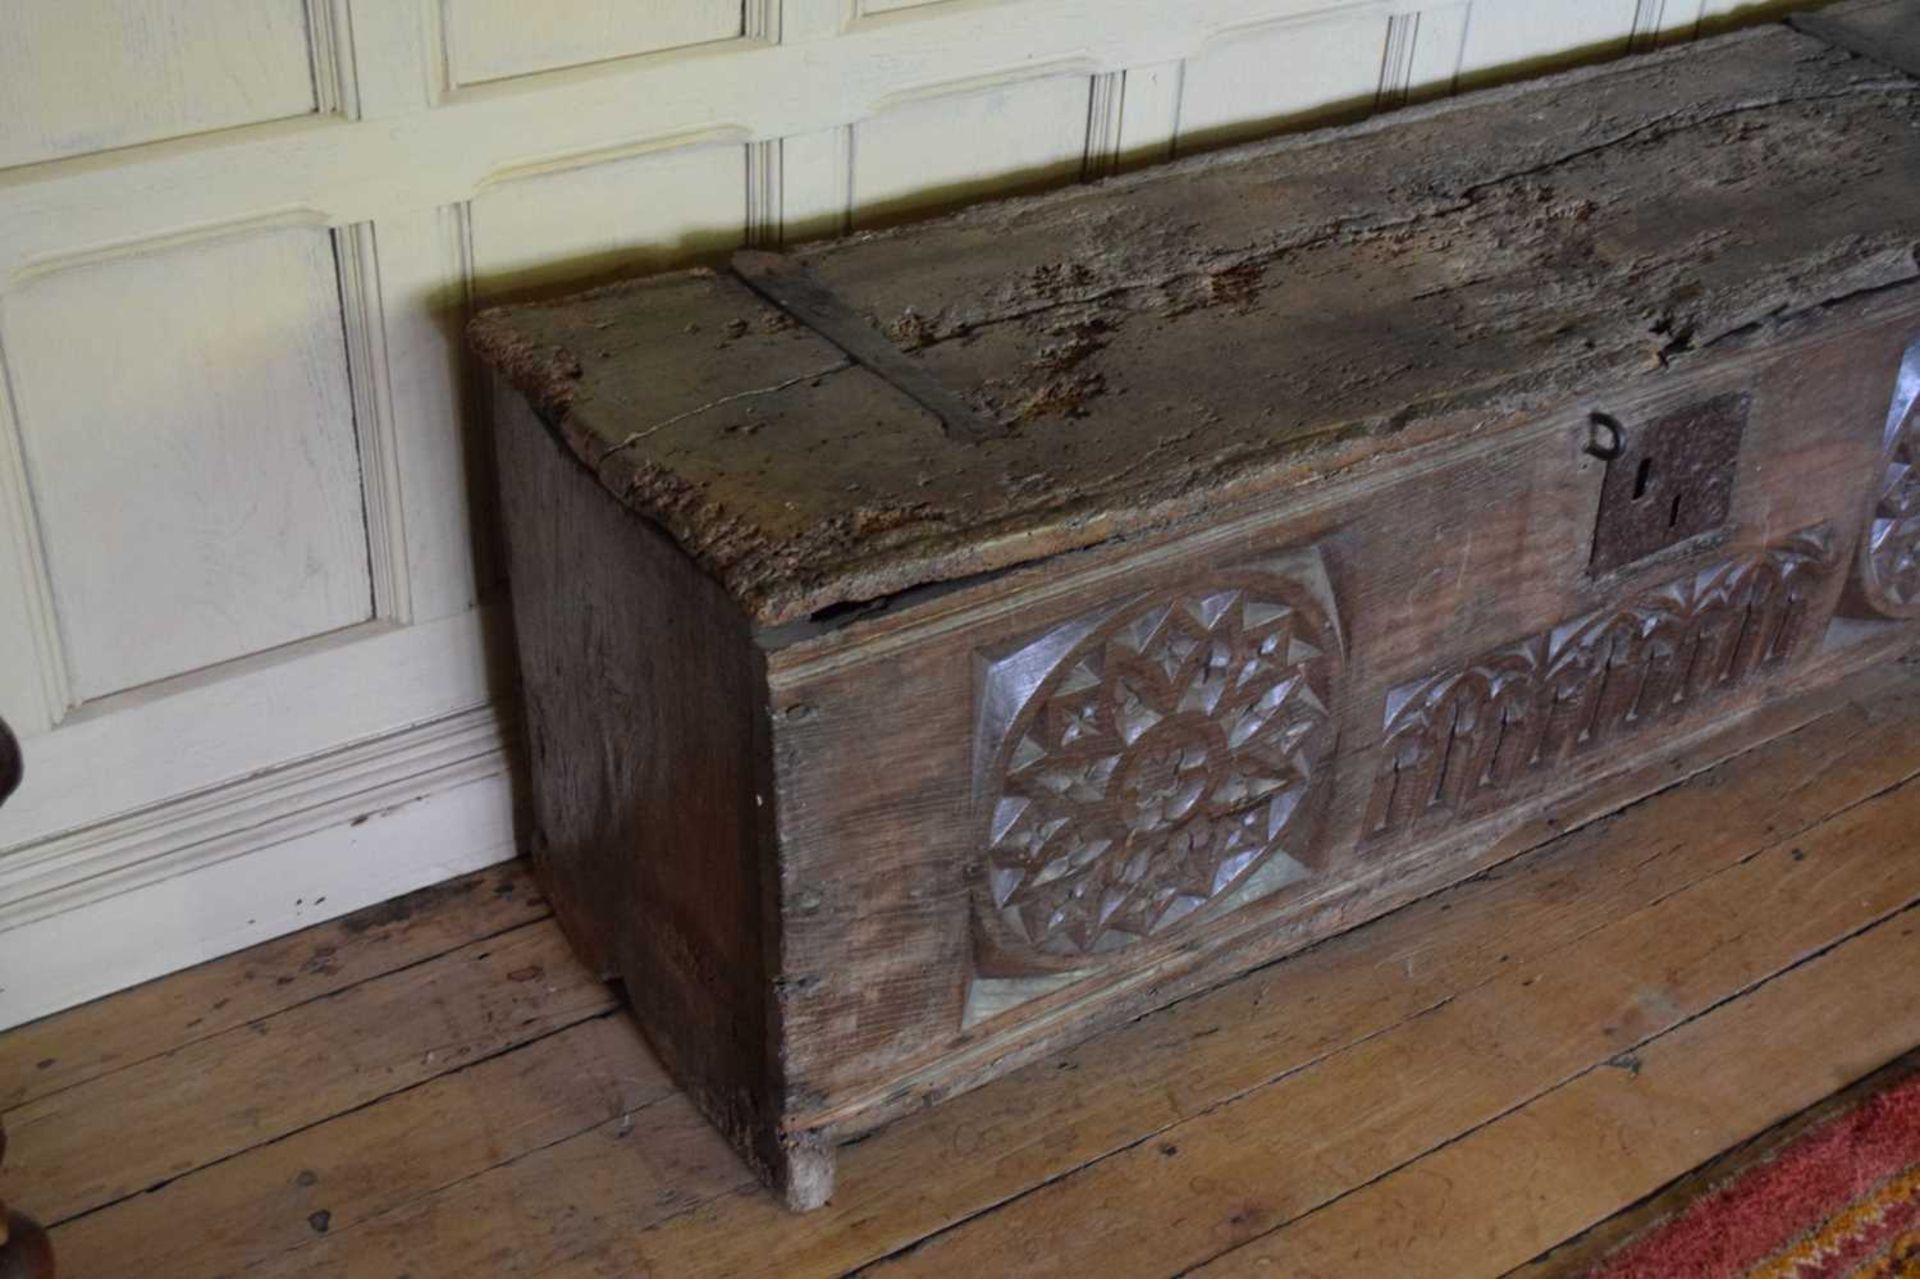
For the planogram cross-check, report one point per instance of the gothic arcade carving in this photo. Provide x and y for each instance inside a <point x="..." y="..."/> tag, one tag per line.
<point x="1466" y="742"/>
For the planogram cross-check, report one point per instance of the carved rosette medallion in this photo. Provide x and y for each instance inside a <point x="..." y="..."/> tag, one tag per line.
<point x="1886" y="572"/>
<point x="1464" y="743"/>
<point x="1145" y="767"/>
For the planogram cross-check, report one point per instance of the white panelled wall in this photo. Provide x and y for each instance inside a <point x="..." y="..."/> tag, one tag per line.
<point x="245" y="625"/>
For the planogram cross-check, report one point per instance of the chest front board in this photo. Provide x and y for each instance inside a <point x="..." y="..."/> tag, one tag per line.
<point x="1043" y="801"/>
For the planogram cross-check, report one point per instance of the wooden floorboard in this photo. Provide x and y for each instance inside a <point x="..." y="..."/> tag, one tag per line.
<point x="1451" y="1090"/>
<point x="1499" y="1193"/>
<point x="1572" y="1258"/>
<point x="120" y="1133"/>
<point x="318" y="1185"/>
<point x="111" y="1034"/>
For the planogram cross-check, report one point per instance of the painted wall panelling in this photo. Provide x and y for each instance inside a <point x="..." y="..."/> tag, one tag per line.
<point x="196" y="487"/>
<point x="244" y="510"/>
<point x="952" y="144"/>
<point x="105" y="942"/>
<point x="443" y="155"/>
<point x="582" y="220"/>
<point x="89" y="75"/>
<point x="495" y="39"/>
<point x="1230" y="90"/>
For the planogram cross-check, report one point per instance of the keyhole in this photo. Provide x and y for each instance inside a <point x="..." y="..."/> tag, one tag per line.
<point x="1641" y="478"/>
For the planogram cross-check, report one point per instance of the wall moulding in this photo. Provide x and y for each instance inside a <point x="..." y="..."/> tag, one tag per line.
<point x="492" y="48"/>
<point x="336" y="84"/>
<point x="34" y="679"/>
<point x="182" y="834"/>
<point x="403" y="160"/>
<point x="370" y="376"/>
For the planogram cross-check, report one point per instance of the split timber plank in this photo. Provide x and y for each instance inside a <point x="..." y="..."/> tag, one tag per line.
<point x="1885" y="32"/>
<point x="934" y="1169"/>
<point x="1251" y="1164"/>
<point x="110" y="1034"/>
<point x="122" y="1133"/>
<point x="1502" y="1192"/>
<point x="291" y="1193"/>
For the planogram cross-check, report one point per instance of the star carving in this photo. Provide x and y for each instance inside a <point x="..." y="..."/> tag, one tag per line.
<point x="1160" y="762"/>
<point x="1894" y="536"/>
<point x="1886" y="577"/>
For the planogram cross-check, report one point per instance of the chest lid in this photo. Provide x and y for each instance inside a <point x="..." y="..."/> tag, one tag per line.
<point x="921" y="404"/>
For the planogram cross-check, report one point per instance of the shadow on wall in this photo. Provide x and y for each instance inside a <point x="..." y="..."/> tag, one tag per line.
<point x="557" y="277"/>
<point x="711" y="245"/>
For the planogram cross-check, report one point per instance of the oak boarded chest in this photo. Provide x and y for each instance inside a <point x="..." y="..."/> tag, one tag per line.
<point x="942" y="643"/>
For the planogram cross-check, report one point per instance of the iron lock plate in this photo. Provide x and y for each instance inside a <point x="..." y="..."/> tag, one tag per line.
<point x="1668" y="479"/>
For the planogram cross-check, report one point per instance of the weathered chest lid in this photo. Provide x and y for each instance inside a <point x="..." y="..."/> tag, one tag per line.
<point x="1044" y="374"/>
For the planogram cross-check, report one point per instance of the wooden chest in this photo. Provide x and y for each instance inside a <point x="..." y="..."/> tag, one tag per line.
<point x="941" y="644"/>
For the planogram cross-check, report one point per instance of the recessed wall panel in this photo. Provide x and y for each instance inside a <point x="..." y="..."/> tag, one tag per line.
<point x="89" y="75"/>
<point x="1246" y="83"/>
<point x="188" y="431"/>
<point x="940" y="151"/>
<point x="1512" y="38"/>
<point x="494" y="39"/>
<point x="628" y="216"/>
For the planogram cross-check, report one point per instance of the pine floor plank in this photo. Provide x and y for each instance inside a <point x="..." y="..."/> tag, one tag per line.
<point x="530" y="1214"/>
<point x="1251" y="1164"/>
<point x="1573" y="1258"/>
<point x="927" y="1172"/>
<point x="124" y="1132"/>
<point x="1502" y="1192"/>
<point x="292" y="1193"/>
<point x="110" y="1034"/>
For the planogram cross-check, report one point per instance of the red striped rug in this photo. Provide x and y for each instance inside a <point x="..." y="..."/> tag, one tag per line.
<point x="1843" y="1200"/>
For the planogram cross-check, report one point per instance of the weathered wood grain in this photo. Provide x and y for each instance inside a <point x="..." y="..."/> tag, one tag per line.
<point x="652" y="785"/>
<point x="1620" y="1128"/>
<point x="1485" y="545"/>
<point x="523" y="1217"/>
<point x="396" y="1167"/>
<point x="566" y="1156"/>
<point x="1885" y="31"/>
<point x="1579" y="1254"/>
<point x="98" y="1038"/>
<point x="121" y="1133"/>
<point x="298" y="1194"/>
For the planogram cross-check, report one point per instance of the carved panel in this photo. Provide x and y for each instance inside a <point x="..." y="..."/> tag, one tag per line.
<point x="1886" y="572"/>
<point x="1142" y="767"/>
<point x="1463" y="743"/>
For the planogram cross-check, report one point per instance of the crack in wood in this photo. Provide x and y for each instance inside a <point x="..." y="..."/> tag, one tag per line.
<point x="732" y="398"/>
